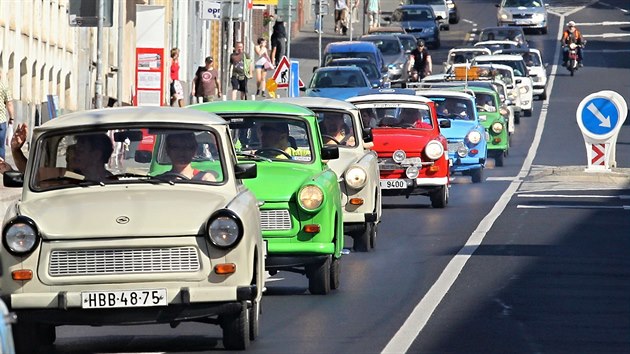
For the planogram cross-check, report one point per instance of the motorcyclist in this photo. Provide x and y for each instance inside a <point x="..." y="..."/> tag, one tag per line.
<point x="572" y="35"/>
<point x="420" y="64"/>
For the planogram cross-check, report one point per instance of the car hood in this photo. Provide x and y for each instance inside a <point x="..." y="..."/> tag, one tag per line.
<point x="278" y="181"/>
<point x="346" y="158"/>
<point x="417" y="24"/>
<point x="388" y="140"/>
<point x="338" y="93"/>
<point x="172" y="210"/>
<point x="394" y="59"/>
<point x="458" y="129"/>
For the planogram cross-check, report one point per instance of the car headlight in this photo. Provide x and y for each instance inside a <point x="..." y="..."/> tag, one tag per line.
<point x="505" y="16"/>
<point x="504" y="111"/>
<point x="434" y="150"/>
<point x="412" y="172"/>
<point x="538" y="17"/>
<point x="523" y="89"/>
<point x="462" y="150"/>
<point x="356" y="177"/>
<point x="20" y="236"/>
<point x="474" y="137"/>
<point x="399" y="156"/>
<point x="311" y="197"/>
<point x="224" y="229"/>
<point x="512" y="95"/>
<point x="497" y="127"/>
<point x="430" y="30"/>
<point x="451" y="5"/>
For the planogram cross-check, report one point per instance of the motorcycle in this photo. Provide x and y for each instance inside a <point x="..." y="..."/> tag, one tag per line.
<point x="572" y="62"/>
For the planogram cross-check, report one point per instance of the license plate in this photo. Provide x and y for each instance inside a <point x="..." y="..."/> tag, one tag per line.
<point x="125" y="298"/>
<point x="393" y="184"/>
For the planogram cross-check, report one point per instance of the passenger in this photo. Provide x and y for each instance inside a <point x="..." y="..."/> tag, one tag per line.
<point x="92" y="153"/>
<point x="181" y="148"/>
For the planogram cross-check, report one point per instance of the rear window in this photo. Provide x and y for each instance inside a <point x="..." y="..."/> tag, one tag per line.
<point x="331" y="56"/>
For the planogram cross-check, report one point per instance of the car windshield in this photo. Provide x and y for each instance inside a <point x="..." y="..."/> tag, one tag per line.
<point x="272" y="139"/>
<point x="338" y="79"/>
<point x="425" y="2"/>
<point x="460" y="57"/>
<point x="522" y="3"/>
<point x="400" y="15"/>
<point x="336" y="128"/>
<point x="518" y="65"/>
<point x="409" y="43"/>
<point x="502" y="34"/>
<point x="453" y="108"/>
<point x="531" y="59"/>
<point x="368" y="68"/>
<point x="396" y="116"/>
<point x="120" y="156"/>
<point x="387" y="46"/>
<point x="485" y="103"/>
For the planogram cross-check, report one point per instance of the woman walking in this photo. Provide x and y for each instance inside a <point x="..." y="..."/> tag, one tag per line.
<point x="262" y="64"/>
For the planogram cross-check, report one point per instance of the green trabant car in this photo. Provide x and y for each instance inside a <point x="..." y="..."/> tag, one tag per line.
<point x="357" y="166"/>
<point x="301" y="214"/>
<point x="489" y="109"/>
<point x="164" y="232"/>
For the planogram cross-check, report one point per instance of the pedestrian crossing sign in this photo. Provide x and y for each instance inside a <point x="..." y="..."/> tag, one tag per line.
<point x="281" y="75"/>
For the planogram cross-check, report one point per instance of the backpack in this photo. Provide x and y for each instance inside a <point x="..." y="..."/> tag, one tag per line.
<point x="247" y="66"/>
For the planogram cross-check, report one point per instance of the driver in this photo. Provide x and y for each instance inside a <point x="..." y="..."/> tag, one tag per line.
<point x="274" y="139"/>
<point x="335" y="131"/>
<point x="181" y="148"/>
<point x="572" y="35"/>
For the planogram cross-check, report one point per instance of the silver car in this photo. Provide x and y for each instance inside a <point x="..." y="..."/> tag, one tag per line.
<point x="396" y="59"/>
<point x="525" y="13"/>
<point x="440" y="8"/>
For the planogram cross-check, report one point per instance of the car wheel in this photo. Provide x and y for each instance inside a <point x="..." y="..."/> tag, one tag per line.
<point x="498" y="159"/>
<point x="335" y="273"/>
<point x="477" y="175"/>
<point x="319" y="277"/>
<point x="254" y="318"/>
<point x="543" y="95"/>
<point x="544" y="30"/>
<point x="447" y="28"/>
<point x="439" y="198"/>
<point x="528" y="113"/>
<point x="362" y="239"/>
<point x="236" y="329"/>
<point x="517" y="117"/>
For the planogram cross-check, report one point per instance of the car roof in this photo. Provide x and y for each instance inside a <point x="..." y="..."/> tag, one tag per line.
<point x="423" y="7"/>
<point x="318" y="102"/>
<point x="393" y="29"/>
<point x="338" y="68"/>
<point x="350" y="46"/>
<point x="389" y="95"/>
<point x="351" y="60"/>
<point x="491" y="57"/>
<point x="440" y="92"/>
<point x="260" y="107"/>
<point x="122" y="115"/>
<point x="517" y="50"/>
<point x="367" y="37"/>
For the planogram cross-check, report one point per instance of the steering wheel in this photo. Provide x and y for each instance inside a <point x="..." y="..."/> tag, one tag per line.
<point x="173" y="175"/>
<point x="326" y="136"/>
<point x="276" y="150"/>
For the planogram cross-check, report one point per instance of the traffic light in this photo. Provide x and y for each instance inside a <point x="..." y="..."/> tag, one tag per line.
<point x="84" y="13"/>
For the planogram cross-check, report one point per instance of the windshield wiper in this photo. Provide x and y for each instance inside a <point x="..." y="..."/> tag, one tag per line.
<point x="253" y="156"/>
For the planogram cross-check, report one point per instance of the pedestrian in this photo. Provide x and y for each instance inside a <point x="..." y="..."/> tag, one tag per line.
<point x="319" y="16"/>
<point x="205" y="84"/>
<point x="278" y="42"/>
<point x="241" y="67"/>
<point x="7" y="115"/>
<point x="372" y="8"/>
<point x="177" y="90"/>
<point x="341" y="17"/>
<point x="262" y="64"/>
<point x="420" y="64"/>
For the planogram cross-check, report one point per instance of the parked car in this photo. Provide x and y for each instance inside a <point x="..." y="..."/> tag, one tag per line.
<point x="537" y="69"/>
<point x="418" y="20"/>
<point x="467" y="144"/>
<point x="151" y="241"/>
<point x="338" y="82"/>
<point x="524" y="13"/>
<point x="453" y="12"/>
<point x="301" y="213"/>
<point x="440" y="8"/>
<point x="354" y="49"/>
<point x="514" y="34"/>
<point x="394" y="54"/>
<point x="356" y="167"/>
<point x="377" y="79"/>
<point x="412" y="153"/>
<point x="462" y="55"/>
<point x="521" y="77"/>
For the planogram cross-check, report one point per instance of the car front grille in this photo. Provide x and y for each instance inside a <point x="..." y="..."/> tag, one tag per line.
<point x="123" y="261"/>
<point x="521" y="16"/>
<point x="414" y="30"/>
<point x="275" y="220"/>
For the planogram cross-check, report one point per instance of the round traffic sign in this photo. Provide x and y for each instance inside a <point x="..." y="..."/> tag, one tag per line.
<point x="600" y="115"/>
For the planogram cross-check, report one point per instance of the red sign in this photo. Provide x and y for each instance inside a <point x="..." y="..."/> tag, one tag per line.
<point x="599" y="153"/>
<point x="150" y="70"/>
<point x="281" y="75"/>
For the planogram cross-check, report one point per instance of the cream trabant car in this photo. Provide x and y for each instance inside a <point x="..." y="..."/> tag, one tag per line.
<point x="357" y="166"/>
<point x="163" y="232"/>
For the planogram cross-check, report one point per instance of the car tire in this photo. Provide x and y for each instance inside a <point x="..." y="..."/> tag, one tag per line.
<point x="335" y="273"/>
<point x="543" y="30"/>
<point x="362" y="239"/>
<point x="439" y="198"/>
<point x="477" y="175"/>
<point x="543" y="95"/>
<point x="236" y="329"/>
<point x="319" y="277"/>
<point x="498" y="159"/>
<point x="254" y="320"/>
<point x="528" y="113"/>
<point x="447" y="28"/>
<point x="517" y="117"/>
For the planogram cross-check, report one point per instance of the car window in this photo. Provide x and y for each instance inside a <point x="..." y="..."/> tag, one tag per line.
<point x="337" y="128"/>
<point x="397" y="117"/>
<point x="425" y="2"/>
<point x="400" y="15"/>
<point x="408" y="43"/>
<point x="330" y="56"/>
<point x="485" y="102"/>
<point x="453" y="108"/>
<point x="280" y="139"/>
<point x="338" y="78"/>
<point x="531" y="59"/>
<point x="102" y="157"/>
<point x="523" y="3"/>
<point x="387" y="47"/>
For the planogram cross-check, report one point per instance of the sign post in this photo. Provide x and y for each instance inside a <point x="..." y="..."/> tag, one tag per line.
<point x="600" y="116"/>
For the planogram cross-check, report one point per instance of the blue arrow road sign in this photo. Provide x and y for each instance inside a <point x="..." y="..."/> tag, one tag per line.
<point x="600" y="116"/>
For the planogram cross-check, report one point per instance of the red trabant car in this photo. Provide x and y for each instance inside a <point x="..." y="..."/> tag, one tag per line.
<point x="412" y="153"/>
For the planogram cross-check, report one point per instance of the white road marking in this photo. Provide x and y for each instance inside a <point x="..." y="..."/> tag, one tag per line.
<point x="607" y="35"/>
<point x="573" y="196"/>
<point x="420" y="315"/>
<point x="609" y="51"/>
<point x="618" y="8"/>
<point x="509" y="179"/>
<point x="624" y="207"/>
<point x="604" y="23"/>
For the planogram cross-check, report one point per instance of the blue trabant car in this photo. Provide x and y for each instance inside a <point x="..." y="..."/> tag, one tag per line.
<point x="354" y="49"/>
<point x="467" y="139"/>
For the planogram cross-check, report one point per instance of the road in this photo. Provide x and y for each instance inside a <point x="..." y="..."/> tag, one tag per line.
<point x="532" y="260"/>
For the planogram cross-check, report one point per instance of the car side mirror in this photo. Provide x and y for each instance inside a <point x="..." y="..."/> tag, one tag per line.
<point x="142" y="156"/>
<point x="13" y="179"/>
<point x="330" y="152"/>
<point x="367" y="135"/>
<point x="518" y="81"/>
<point x="303" y="89"/>
<point x="245" y="170"/>
<point x="446" y="123"/>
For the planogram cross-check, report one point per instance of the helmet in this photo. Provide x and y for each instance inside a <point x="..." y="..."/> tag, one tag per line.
<point x="420" y="42"/>
<point x="571" y="24"/>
